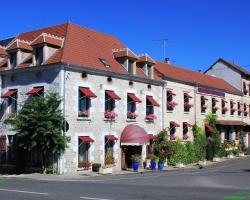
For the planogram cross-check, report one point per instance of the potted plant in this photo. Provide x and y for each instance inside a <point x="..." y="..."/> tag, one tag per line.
<point x="148" y="161"/>
<point x="162" y="160"/>
<point x="135" y="162"/>
<point x="154" y="162"/>
<point x="96" y="167"/>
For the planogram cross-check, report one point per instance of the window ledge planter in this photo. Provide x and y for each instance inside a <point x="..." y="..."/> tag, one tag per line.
<point x="216" y="159"/>
<point x="110" y="115"/>
<point x="106" y="170"/>
<point x="179" y="165"/>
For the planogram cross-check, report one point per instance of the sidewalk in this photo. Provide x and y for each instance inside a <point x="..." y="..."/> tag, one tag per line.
<point x="81" y="175"/>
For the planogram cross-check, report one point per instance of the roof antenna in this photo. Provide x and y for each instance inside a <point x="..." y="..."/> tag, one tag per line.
<point x="164" y="44"/>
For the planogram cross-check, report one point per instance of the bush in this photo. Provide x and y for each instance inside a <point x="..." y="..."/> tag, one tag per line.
<point x="199" y="143"/>
<point x="96" y="167"/>
<point x="222" y="151"/>
<point x="49" y="169"/>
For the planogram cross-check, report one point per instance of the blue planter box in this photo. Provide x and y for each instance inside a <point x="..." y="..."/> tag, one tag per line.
<point x="161" y="165"/>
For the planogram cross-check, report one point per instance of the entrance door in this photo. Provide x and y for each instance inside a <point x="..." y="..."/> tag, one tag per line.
<point x="127" y="152"/>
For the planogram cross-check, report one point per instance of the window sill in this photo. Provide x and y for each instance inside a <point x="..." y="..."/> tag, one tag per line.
<point x="170" y="111"/>
<point x="149" y="121"/>
<point x="109" y="120"/>
<point x="84" y="119"/>
<point x="203" y="113"/>
<point x="186" y="112"/>
<point x="130" y="120"/>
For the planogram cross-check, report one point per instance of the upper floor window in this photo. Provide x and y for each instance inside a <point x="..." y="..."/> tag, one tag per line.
<point x="214" y="105"/>
<point x="245" y="90"/>
<point x="150" y="104"/>
<point x="36" y="92"/>
<point x="110" y="98"/>
<point x="239" y="108"/>
<point x="224" y="109"/>
<point x="39" y="56"/>
<point x="170" y="100"/>
<point x="84" y="104"/>
<point x="203" y="104"/>
<point x="131" y="105"/>
<point x="13" y="59"/>
<point x="187" y="104"/>
<point x="232" y="109"/>
<point x="11" y="96"/>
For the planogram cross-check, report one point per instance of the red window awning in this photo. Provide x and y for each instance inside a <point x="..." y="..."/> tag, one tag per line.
<point x="113" y="95"/>
<point x="209" y="127"/>
<point x="111" y="138"/>
<point x="151" y="100"/>
<point x="152" y="137"/>
<point x="188" y="96"/>
<point x="204" y="98"/>
<point x="88" y="92"/>
<point x="171" y="92"/>
<point x="188" y="125"/>
<point x="216" y="100"/>
<point x="174" y="124"/>
<point x="35" y="90"/>
<point x="9" y="93"/>
<point x="86" y="139"/>
<point x="224" y="101"/>
<point x="134" y="98"/>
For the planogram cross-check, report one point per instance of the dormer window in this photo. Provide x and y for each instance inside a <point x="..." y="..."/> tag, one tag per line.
<point x="13" y="59"/>
<point x="39" y="56"/>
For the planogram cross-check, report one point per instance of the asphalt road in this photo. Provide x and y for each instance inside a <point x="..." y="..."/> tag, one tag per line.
<point x="229" y="180"/>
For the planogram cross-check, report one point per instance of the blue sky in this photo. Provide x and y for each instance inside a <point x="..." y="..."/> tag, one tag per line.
<point x="198" y="31"/>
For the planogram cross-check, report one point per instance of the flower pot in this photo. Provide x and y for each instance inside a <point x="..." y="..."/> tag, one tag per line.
<point x="135" y="166"/>
<point x="160" y="165"/>
<point x="153" y="165"/>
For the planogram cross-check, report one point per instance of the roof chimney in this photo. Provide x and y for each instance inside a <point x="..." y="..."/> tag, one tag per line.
<point x="167" y="60"/>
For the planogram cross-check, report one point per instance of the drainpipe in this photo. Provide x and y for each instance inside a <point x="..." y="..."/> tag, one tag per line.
<point x="195" y="105"/>
<point x="163" y="105"/>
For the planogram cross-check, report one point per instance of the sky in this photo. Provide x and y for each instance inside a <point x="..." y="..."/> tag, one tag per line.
<point x="198" y="32"/>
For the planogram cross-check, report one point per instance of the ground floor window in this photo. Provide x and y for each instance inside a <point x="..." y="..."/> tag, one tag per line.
<point x="83" y="152"/>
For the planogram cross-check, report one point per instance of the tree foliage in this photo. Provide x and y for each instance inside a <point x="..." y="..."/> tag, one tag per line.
<point x="38" y="126"/>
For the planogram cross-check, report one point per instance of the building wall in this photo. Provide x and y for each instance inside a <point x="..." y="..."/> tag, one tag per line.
<point x="222" y="71"/>
<point x="97" y="126"/>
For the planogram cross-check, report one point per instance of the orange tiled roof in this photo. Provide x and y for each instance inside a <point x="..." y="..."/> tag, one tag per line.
<point x="189" y="76"/>
<point x="2" y="51"/>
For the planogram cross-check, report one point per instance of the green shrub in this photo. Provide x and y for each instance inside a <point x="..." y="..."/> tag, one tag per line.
<point x="199" y="143"/>
<point x="96" y="167"/>
<point x="222" y="151"/>
<point x="49" y="169"/>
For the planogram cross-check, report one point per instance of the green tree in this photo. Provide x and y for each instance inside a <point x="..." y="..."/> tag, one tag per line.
<point x="38" y="126"/>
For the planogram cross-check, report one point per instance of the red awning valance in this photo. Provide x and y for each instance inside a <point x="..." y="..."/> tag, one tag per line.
<point x="134" y="98"/>
<point x="35" y="90"/>
<point x="174" y="124"/>
<point x="134" y="135"/>
<point x="209" y="127"/>
<point x="224" y="101"/>
<point x="111" y="138"/>
<point x="171" y="92"/>
<point x="86" y="139"/>
<point x="152" y="137"/>
<point x="189" y="125"/>
<point x="188" y="96"/>
<point x="151" y="99"/>
<point x="113" y="95"/>
<point x="87" y="92"/>
<point x="9" y="94"/>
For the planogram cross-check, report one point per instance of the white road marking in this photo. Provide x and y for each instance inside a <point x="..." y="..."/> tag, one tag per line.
<point x="93" y="198"/>
<point x="23" y="191"/>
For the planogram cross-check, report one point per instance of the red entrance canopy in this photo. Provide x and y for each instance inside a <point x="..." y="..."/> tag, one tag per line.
<point x="111" y="138"/>
<point x="88" y="92"/>
<point x="174" y="124"/>
<point x="9" y="94"/>
<point x="209" y="127"/>
<point x="35" y="90"/>
<point x="113" y="95"/>
<point x="134" y="135"/>
<point x="151" y="99"/>
<point x="86" y="139"/>
<point x="134" y="98"/>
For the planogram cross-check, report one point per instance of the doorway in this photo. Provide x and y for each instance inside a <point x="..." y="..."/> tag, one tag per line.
<point x="127" y="152"/>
